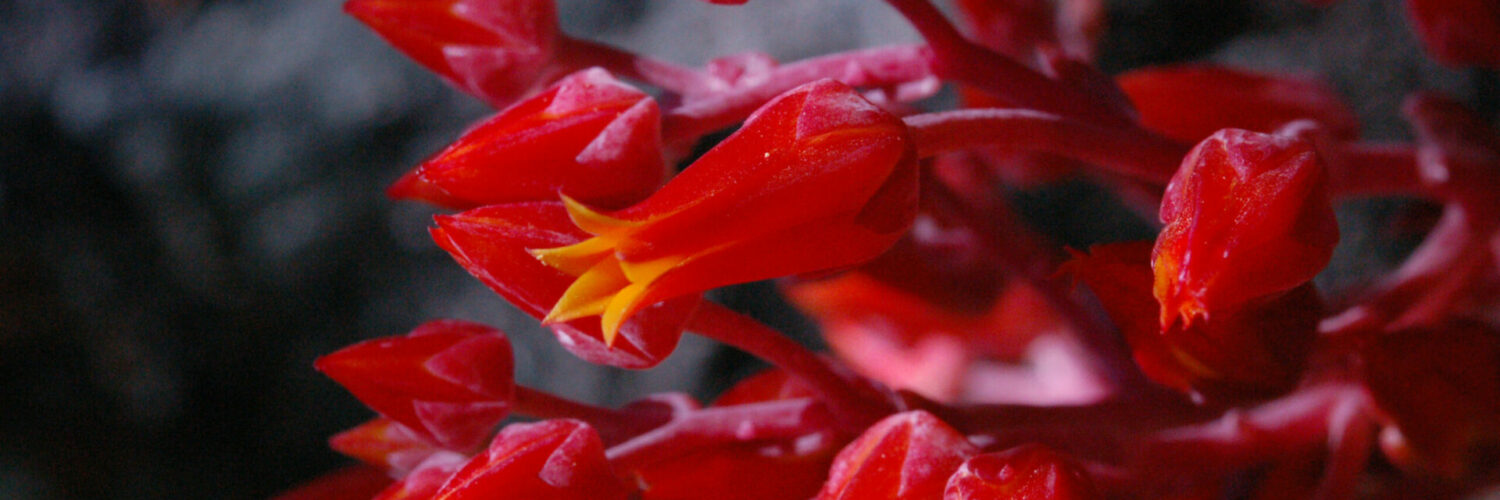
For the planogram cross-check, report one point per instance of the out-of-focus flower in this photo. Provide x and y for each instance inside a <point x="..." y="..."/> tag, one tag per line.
<point x="492" y="242"/>
<point x="553" y="459"/>
<point x="1458" y="32"/>
<point x="1251" y="351"/>
<point x="1191" y="102"/>
<point x="449" y="381"/>
<point x="1024" y="472"/>
<point x="906" y="455"/>
<point x="495" y="50"/>
<point x="816" y="179"/>
<point x="589" y="137"/>
<point x="1439" y="386"/>
<point x="1247" y="216"/>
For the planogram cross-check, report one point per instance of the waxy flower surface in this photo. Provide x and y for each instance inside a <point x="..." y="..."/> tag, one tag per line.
<point x="818" y="178"/>
<point x="589" y="137"/>
<point x="1203" y="364"/>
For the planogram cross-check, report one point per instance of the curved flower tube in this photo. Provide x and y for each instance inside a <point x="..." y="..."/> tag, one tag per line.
<point x="817" y="179"/>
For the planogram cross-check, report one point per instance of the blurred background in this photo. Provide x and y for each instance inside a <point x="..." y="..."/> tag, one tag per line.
<point x="191" y="210"/>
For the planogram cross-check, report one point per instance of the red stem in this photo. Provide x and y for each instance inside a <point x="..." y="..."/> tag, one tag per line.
<point x="1365" y="169"/>
<point x="661" y="74"/>
<point x="534" y="403"/>
<point x="958" y="59"/>
<point x="854" y="401"/>
<point x="1124" y="150"/>
<point x="721" y="425"/>
<point x="713" y="110"/>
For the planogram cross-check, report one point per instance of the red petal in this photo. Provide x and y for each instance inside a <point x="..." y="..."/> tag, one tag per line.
<point x="1458" y="32"/>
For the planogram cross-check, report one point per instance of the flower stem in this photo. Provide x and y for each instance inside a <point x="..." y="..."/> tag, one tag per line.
<point x="715" y="109"/>
<point x="721" y="425"/>
<point x="1125" y="150"/>
<point x="545" y="406"/>
<point x="661" y="74"/>
<point x="855" y="402"/>
<point x="954" y="57"/>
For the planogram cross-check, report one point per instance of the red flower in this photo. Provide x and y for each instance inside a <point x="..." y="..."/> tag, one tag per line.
<point x="818" y="178"/>
<point x="589" y="137"/>
<point x="1190" y="102"/>
<point x="1441" y="386"/>
<point x="1251" y="351"/>
<point x="449" y="381"/>
<point x="492" y="242"/>
<point x="495" y="50"/>
<point x="1458" y="32"/>
<point x="1247" y="216"/>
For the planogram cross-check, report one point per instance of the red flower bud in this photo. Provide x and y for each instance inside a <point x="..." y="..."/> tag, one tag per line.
<point x="816" y="179"/>
<point x="553" y="459"/>
<point x="1030" y="472"/>
<point x="1190" y="102"/>
<point x="1247" y="216"/>
<point x="1458" y="32"/>
<point x="495" y="50"/>
<point x="907" y="455"/>
<point x="589" y="137"/>
<point x="449" y="381"/>
<point x="492" y="242"/>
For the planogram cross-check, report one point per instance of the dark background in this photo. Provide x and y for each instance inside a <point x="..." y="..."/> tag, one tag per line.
<point x="191" y="210"/>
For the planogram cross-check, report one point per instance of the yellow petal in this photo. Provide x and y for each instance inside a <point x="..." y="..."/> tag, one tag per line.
<point x="624" y="305"/>
<point x="578" y="258"/>
<point x="594" y="222"/>
<point x="590" y="294"/>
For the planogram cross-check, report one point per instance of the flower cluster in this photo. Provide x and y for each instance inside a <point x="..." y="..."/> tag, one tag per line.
<point x="973" y="358"/>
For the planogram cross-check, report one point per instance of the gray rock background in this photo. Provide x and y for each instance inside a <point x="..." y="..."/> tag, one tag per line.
<point x="191" y="210"/>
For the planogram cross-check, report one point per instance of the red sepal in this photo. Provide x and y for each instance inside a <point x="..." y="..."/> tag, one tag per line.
<point x="589" y="137"/>
<point x="449" y="381"/>
<point x="548" y="460"/>
<point x="383" y="443"/>
<point x="496" y="50"/>
<point x="905" y="456"/>
<point x="1190" y="102"/>
<point x="1026" y="472"/>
